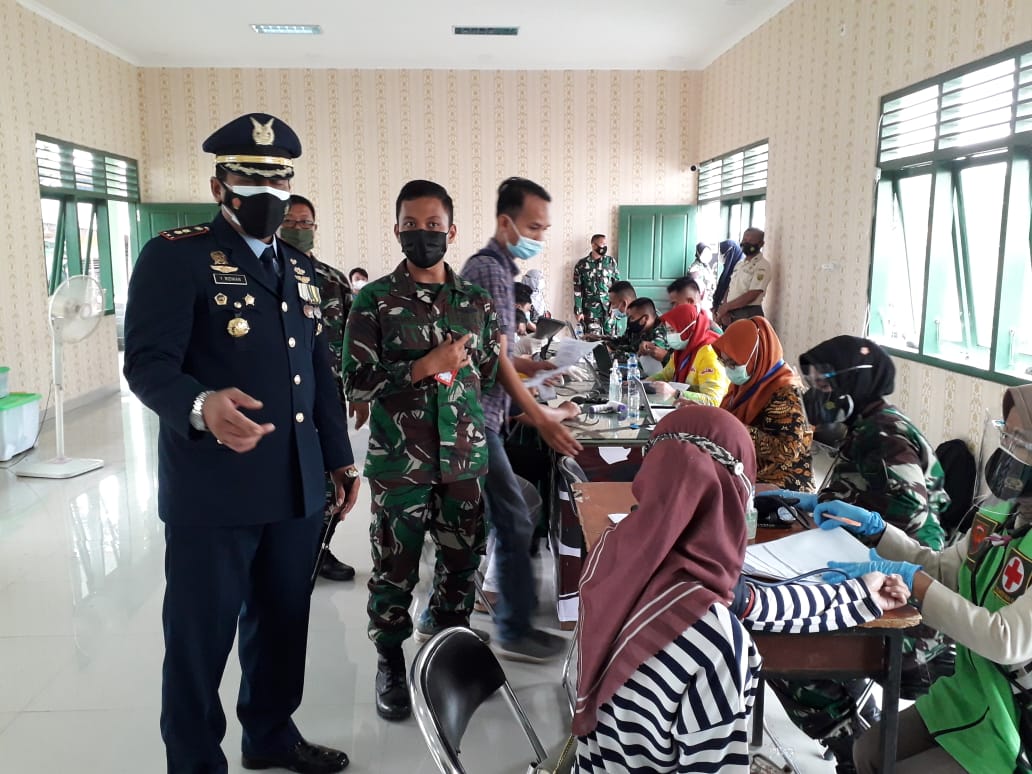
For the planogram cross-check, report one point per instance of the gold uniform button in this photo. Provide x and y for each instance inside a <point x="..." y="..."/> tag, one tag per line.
<point x="291" y="342"/>
<point x="299" y="417"/>
<point x="283" y="306"/>
<point x="297" y="378"/>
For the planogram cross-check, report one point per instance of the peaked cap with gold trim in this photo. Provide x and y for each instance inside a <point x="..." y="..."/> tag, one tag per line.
<point x="255" y="145"/>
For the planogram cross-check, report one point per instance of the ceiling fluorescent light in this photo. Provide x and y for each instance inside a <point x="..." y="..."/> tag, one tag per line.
<point x="287" y="29"/>
<point x="510" y="31"/>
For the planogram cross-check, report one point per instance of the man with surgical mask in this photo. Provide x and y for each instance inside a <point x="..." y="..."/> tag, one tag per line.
<point x="299" y="229"/>
<point x="593" y="275"/>
<point x="224" y="344"/>
<point x="521" y="220"/>
<point x="421" y="345"/>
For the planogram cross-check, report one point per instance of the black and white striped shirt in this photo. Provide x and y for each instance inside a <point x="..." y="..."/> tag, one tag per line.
<point x="687" y="708"/>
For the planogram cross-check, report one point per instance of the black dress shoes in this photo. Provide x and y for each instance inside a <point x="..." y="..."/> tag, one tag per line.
<point x="335" y="570"/>
<point x="392" y="696"/>
<point x="305" y="758"/>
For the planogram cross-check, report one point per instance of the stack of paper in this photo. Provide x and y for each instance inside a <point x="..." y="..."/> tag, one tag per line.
<point x="803" y="552"/>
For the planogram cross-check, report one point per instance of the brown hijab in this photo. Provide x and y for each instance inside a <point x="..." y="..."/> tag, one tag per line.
<point x="754" y="344"/>
<point x="661" y="569"/>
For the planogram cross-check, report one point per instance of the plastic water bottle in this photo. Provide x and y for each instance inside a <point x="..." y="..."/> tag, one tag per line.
<point x="633" y="392"/>
<point x="615" y="385"/>
<point x="578" y="329"/>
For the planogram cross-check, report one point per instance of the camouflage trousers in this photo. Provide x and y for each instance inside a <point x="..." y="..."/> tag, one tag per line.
<point x="596" y="318"/>
<point x="453" y="515"/>
<point x="827" y="709"/>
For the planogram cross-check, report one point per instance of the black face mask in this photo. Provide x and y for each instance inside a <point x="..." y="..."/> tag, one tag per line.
<point x="750" y="249"/>
<point x="1007" y="476"/>
<point x="824" y="409"/>
<point x="635" y="327"/>
<point x="602" y="250"/>
<point x="259" y="214"/>
<point x="424" y="248"/>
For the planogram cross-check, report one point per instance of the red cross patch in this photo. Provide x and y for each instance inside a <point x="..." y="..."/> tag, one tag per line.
<point x="1014" y="576"/>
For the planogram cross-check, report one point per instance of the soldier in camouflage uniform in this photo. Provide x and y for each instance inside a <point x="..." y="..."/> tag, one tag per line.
<point x="886" y="465"/>
<point x="642" y="327"/>
<point x="593" y="275"/>
<point x="420" y="346"/>
<point x="299" y="229"/>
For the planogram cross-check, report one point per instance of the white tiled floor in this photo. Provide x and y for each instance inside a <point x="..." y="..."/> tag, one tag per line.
<point x="80" y="630"/>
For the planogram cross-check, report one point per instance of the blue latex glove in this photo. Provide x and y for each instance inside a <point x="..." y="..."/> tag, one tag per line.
<point x="871" y="522"/>
<point x="807" y="500"/>
<point x="906" y="570"/>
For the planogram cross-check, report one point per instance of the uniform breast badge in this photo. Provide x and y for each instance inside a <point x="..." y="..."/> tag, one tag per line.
<point x="238" y="327"/>
<point x="221" y="299"/>
<point x="249" y="300"/>
<point x="219" y="258"/>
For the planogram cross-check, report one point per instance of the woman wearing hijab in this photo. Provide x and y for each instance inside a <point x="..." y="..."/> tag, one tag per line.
<point x="536" y="281"/>
<point x="767" y="397"/>
<point x="667" y="669"/>
<point x="978" y="719"/>
<point x="693" y="371"/>
<point x="886" y="465"/>
<point x="732" y="253"/>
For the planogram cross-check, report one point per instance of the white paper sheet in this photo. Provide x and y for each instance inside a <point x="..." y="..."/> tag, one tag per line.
<point x="567" y="355"/>
<point x="803" y="552"/>
<point x="614" y="454"/>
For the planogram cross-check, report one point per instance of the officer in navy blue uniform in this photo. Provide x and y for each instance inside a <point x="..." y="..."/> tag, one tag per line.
<point x="223" y="342"/>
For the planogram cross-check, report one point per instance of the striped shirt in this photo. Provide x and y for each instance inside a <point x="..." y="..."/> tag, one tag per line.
<point x="687" y="708"/>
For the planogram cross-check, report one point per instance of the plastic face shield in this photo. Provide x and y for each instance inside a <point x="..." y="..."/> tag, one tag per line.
<point x="1005" y="460"/>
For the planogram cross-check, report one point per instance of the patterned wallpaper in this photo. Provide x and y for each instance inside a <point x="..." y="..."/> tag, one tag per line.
<point x="811" y="79"/>
<point x="595" y="140"/>
<point x="57" y="84"/>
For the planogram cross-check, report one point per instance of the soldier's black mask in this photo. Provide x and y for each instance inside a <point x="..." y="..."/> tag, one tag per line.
<point x="823" y="408"/>
<point x="259" y="213"/>
<point x="424" y="248"/>
<point x="602" y="250"/>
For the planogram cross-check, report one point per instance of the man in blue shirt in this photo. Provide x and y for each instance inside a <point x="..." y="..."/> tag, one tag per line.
<point x="521" y="221"/>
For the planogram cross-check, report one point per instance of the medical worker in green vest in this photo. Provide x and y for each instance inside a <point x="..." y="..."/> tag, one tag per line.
<point x="975" y="591"/>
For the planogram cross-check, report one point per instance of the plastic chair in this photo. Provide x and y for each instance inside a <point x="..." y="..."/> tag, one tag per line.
<point x="452" y="675"/>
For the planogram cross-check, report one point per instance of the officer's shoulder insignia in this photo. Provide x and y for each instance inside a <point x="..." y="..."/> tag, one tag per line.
<point x="174" y="234"/>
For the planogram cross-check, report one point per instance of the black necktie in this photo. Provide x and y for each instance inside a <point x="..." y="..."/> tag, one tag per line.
<point x="272" y="265"/>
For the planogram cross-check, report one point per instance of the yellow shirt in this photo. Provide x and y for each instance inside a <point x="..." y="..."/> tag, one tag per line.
<point x="706" y="380"/>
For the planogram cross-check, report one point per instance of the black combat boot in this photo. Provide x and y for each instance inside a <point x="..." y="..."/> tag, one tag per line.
<point x="392" y="696"/>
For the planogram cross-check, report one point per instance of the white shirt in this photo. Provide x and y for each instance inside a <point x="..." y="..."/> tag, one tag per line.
<point x="750" y="274"/>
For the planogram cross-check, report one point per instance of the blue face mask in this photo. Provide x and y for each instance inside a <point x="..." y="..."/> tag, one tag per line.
<point x="525" y="247"/>
<point x="618" y="315"/>
<point x="737" y="375"/>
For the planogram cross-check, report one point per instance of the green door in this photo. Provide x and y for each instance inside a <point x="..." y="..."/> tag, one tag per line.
<point x="155" y="218"/>
<point x="657" y="245"/>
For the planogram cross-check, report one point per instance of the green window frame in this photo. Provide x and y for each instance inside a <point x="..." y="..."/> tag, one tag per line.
<point x="79" y="190"/>
<point x="732" y="192"/>
<point x="951" y="249"/>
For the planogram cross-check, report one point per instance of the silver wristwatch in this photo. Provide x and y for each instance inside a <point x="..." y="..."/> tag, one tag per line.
<point x="197" y="412"/>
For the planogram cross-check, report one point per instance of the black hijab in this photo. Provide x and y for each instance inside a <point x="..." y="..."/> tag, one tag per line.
<point x="732" y="254"/>
<point x="841" y="355"/>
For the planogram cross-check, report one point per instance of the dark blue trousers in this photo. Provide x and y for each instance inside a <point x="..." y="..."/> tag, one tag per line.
<point x="216" y="579"/>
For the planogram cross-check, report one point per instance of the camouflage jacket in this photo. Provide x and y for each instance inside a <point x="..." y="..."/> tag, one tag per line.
<point x="628" y="343"/>
<point x="886" y="465"/>
<point x="591" y="282"/>
<point x="336" y="306"/>
<point x="424" y="432"/>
